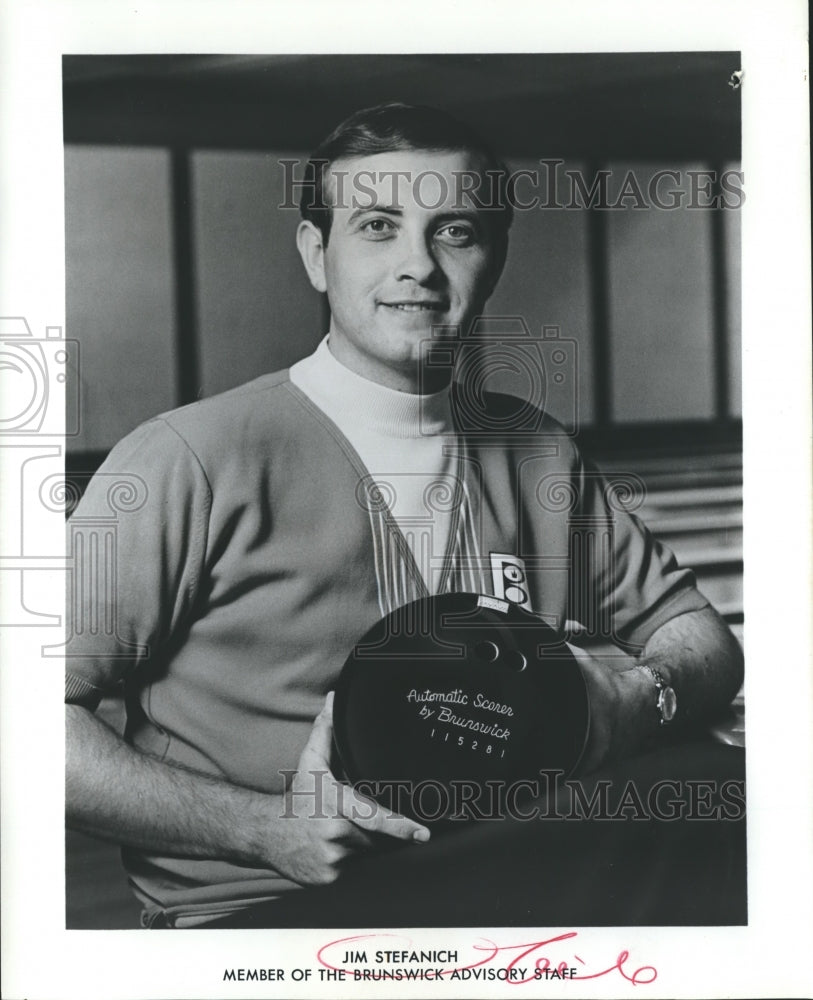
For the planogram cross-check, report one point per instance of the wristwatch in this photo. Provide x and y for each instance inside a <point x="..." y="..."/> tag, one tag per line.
<point x="667" y="699"/>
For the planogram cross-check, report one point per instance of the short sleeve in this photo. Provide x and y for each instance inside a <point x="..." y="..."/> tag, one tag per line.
<point x="136" y="547"/>
<point x="635" y="583"/>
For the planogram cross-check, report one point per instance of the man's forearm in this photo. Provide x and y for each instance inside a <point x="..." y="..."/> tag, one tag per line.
<point x="700" y="658"/>
<point x="696" y="654"/>
<point x="116" y="792"/>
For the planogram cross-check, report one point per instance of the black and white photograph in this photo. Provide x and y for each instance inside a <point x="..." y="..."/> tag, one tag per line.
<point x="394" y="423"/>
<point x="434" y="393"/>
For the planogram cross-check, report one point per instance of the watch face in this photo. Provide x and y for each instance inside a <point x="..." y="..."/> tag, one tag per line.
<point x="668" y="704"/>
<point x="457" y="692"/>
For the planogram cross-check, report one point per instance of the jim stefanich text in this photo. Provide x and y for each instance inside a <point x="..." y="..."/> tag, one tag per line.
<point x="401" y="956"/>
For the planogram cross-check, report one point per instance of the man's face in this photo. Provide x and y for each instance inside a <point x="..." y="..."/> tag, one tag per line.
<point x="406" y="252"/>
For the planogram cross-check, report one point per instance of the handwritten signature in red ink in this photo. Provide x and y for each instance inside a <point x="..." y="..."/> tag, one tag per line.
<point x="528" y="963"/>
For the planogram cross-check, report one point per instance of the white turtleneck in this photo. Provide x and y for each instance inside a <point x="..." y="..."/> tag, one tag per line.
<point x="400" y="438"/>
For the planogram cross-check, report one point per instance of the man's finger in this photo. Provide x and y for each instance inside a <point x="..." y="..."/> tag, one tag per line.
<point x="374" y="818"/>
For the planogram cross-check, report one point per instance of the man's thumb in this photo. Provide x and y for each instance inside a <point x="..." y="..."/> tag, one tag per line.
<point x="316" y="754"/>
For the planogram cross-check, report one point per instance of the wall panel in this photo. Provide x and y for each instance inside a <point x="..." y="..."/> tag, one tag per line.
<point x="119" y="287"/>
<point x="661" y="319"/>
<point x="546" y="279"/>
<point x="256" y="309"/>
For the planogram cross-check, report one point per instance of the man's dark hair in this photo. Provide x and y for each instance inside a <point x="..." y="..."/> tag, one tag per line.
<point x="388" y="128"/>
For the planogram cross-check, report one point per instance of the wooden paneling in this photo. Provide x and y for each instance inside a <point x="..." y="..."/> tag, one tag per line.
<point x="661" y="310"/>
<point x="120" y="287"/>
<point x="256" y="309"/>
<point x="546" y="279"/>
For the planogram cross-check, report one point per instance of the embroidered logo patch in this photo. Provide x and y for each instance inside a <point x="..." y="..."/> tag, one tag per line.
<point x="491" y="602"/>
<point x="509" y="580"/>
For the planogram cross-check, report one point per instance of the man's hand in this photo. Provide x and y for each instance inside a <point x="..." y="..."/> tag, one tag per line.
<point x="324" y="822"/>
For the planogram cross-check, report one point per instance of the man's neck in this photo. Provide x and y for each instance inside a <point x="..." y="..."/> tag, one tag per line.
<point x="357" y="404"/>
<point x="416" y="378"/>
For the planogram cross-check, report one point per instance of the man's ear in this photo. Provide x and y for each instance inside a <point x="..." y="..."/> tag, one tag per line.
<point x="311" y="248"/>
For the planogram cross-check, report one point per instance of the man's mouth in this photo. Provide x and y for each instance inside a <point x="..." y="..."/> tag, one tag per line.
<point x="416" y="306"/>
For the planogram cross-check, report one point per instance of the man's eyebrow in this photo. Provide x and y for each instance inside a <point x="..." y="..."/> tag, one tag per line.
<point x="459" y="215"/>
<point x="454" y="215"/>
<point x="393" y="210"/>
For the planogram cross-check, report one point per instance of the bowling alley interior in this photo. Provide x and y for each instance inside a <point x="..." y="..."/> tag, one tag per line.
<point x="182" y="277"/>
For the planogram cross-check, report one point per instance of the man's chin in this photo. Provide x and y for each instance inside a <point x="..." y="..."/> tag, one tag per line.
<point x="415" y="340"/>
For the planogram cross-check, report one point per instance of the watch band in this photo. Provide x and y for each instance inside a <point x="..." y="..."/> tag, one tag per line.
<point x="667" y="699"/>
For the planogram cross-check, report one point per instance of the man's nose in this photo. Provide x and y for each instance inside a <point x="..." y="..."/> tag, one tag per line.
<point x="417" y="261"/>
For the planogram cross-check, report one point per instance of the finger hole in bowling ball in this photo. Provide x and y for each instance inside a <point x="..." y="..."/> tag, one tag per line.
<point x="514" y="660"/>
<point x="487" y="650"/>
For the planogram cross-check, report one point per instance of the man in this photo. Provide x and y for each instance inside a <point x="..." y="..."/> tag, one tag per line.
<point x="283" y="518"/>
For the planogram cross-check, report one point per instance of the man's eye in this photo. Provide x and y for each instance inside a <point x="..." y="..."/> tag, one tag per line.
<point x="458" y="235"/>
<point x="377" y="227"/>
